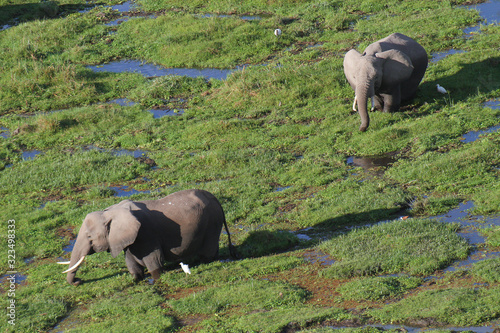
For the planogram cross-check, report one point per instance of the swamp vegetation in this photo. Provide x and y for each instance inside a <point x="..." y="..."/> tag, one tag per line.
<point x="328" y="236"/>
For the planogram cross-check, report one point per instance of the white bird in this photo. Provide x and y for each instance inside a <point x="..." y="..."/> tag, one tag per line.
<point x="277" y="32"/>
<point x="185" y="268"/>
<point x="441" y="89"/>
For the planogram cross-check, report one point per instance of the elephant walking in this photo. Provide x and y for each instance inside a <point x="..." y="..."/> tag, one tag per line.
<point x="177" y="227"/>
<point x="389" y="72"/>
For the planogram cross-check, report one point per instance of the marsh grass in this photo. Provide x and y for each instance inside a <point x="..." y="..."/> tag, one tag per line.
<point x="455" y="306"/>
<point x="412" y="246"/>
<point x="283" y="123"/>
<point x="376" y="288"/>
<point x="488" y="270"/>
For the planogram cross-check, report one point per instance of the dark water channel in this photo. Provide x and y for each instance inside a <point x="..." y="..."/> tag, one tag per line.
<point x="151" y="70"/>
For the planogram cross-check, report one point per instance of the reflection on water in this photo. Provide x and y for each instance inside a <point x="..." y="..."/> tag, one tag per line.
<point x="151" y="70"/>
<point x="159" y="113"/>
<point x="126" y="191"/>
<point x="373" y="163"/>
<point x="489" y="11"/>
<point x="471" y="226"/>
<point x="319" y="257"/>
<point x="441" y="55"/>
<point x="122" y="102"/>
<point x="30" y="154"/>
<point x="69" y="248"/>
<point x="474" y="135"/>
<point x="125" y="7"/>
<point x="4" y="132"/>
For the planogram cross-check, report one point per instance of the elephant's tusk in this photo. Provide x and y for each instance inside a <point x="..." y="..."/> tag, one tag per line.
<point x="75" y="266"/>
<point x="373" y="103"/>
<point x="63" y="262"/>
<point x="354" y="104"/>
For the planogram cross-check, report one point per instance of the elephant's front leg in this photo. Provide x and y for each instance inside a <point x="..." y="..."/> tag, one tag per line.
<point x="136" y="269"/>
<point x="392" y="100"/>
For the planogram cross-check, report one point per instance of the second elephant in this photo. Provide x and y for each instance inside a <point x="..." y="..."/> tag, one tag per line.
<point x="389" y="72"/>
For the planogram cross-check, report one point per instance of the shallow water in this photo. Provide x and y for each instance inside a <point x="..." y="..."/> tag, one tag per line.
<point x="30" y="154"/>
<point x="4" y="132"/>
<point x="435" y="57"/>
<point x="319" y="257"/>
<point x="474" y="135"/>
<point x="126" y="191"/>
<point x="159" y="113"/>
<point x="151" y="70"/>
<point x="372" y="162"/>
<point x="489" y="11"/>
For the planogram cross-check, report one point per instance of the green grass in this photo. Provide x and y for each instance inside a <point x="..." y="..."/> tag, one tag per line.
<point x="376" y="288"/>
<point x="282" y="122"/>
<point x="413" y="246"/>
<point x="460" y="306"/>
<point x="251" y="295"/>
<point x="487" y="270"/>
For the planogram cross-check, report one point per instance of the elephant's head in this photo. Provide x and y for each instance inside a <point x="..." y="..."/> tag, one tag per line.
<point x="368" y="74"/>
<point x="110" y="230"/>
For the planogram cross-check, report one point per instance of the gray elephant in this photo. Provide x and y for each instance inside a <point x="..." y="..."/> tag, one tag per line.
<point x="389" y="72"/>
<point x="177" y="227"/>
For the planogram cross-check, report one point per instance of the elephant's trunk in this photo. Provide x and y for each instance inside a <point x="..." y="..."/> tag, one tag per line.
<point x="80" y="250"/>
<point x="363" y="92"/>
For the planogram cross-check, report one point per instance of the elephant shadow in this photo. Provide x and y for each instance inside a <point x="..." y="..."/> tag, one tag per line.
<point x="371" y="217"/>
<point x="266" y="242"/>
<point x="471" y="79"/>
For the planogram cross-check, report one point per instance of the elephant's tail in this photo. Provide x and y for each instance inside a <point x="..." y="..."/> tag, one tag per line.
<point x="232" y="249"/>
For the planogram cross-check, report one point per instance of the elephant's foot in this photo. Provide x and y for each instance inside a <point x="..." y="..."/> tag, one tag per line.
<point x="156" y="274"/>
<point x="138" y="277"/>
<point x="76" y="282"/>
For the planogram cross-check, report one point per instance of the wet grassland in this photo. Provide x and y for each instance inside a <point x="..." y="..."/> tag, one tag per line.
<point x="329" y="235"/>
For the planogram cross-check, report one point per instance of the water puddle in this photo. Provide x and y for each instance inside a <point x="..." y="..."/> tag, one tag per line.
<point x="151" y="70"/>
<point x="126" y="191"/>
<point x="160" y="113"/>
<point x="127" y="6"/>
<point x="30" y="154"/>
<point x="373" y="164"/>
<point x="474" y="135"/>
<point x="244" y="17"/>
<point x="489" y="11"/>
<point x="281" y="188"/>
<point x="435" y="57"/>
<point x="122" y="102"/>
<point x="4" y="132"/>
<point x="475" y="257"/>
<point x="471" y="226"/>
<point x="7" y="280"/>
<point x="70" y="322"/>
<point x="68" y="248"/>
<point x="493" y="104"/>
<point x="314" y="257"/>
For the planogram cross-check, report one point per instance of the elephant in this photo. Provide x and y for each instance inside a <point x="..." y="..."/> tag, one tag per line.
<point x="388" y="72"/>
<point x="180" y="226"/>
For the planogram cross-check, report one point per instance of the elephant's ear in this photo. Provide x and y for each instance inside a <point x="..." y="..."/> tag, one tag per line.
<point x="351" y="64"/>
<point x="397" y="66"/>
<point x="123" y="226"/>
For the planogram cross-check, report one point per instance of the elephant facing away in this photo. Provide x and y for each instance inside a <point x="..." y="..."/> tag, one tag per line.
<point x="177" y="227"/>
<point x="389" y="72"/>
